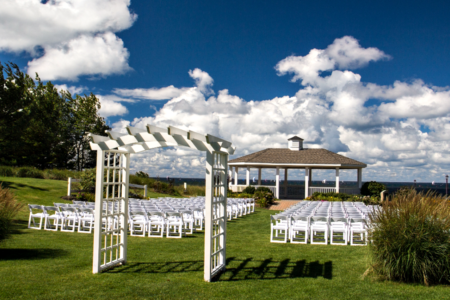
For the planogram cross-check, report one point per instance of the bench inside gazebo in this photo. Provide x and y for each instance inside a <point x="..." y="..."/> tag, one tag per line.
<point x="295" y="157"/>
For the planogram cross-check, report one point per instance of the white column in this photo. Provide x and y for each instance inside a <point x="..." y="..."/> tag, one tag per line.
<point x="247" y="183"/>
<point x="277" y="183"/>
<point x="306" y="183"/>
<point x="359" y="177"/>
<point x="209" y="194"/>
<point x="286" y="182"/>
<point x="337" y="180"/>
<point x="97" y="256"/>
<point x="236" y="170"/>
<point x="259" y="176"/>
<point x="310" y="177"/>
<point x="69" y="186"/>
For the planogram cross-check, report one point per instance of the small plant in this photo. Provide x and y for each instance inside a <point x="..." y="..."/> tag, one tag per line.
<point x="372" y="188"/>
<point x="142" y="174"/>
<point x="87" y="180"/>
<point x="411" y="239"/>
<point x="9" y="207"/>
<point x="263" y="198"/>
<point x="249" y="190"/>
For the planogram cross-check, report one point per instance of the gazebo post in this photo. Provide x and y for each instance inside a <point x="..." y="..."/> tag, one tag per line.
<point x="337" y="180"/>
<point x="247" y="177"/>
<point x="259" y="176"/>
<point x="306" y="182"/>
<point x="277" y="183"/>
<point x="286" y="182"/>
<point x="359" y="178"/>
<point x="236" y="171"/>
<point x="310" y="176"/>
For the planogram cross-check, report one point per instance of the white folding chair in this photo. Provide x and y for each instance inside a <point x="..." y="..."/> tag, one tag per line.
<point x="358" y="232"/>
<point x="56" y="216"/>
<point x="86" y="220"/>
<point x="280" y="226"/>
<point x="174" y="225"/>
<point x="188" y="221"/>
<point x="319" y="230"/>
<point x="35" y="215"/>
<point x="138" y="221"/>
<point x="70" y="218"/>
<point x="156" y="224"/>
<point x="299" y="230"/>
<point x="198" y="218"/>
<point x="338" y="231"/>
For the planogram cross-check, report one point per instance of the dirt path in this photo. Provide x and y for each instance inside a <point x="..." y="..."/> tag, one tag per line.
<point x="283" y="204"/>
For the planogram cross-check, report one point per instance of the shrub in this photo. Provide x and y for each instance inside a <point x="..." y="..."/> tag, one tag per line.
<point x="29" y="172"/>
<point x="411" y="239"/>
<point x="9" y="208"/>
<point x="87" y="180"/>
<point x="372" y="188"/>
<point x="332" y="196"/>
<point x="142" y="174"/>
<point x="6" y="171"/>
<point x="263" y="198"/>
<point x="249" y="190"/>
<point x="263" y="189"/>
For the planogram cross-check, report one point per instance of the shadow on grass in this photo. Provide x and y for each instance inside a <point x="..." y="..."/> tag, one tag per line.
<point x="248" y="269"/>
<point x="31" y="254"/>
<point x="237" y="269"/>
<point x="164" y="267"/>
<point x="13" y="186"/>
<point x="18" y="227"/>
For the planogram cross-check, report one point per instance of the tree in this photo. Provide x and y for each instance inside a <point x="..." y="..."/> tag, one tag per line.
<point x="14" y="112"/>
<point x="42" y="127"/>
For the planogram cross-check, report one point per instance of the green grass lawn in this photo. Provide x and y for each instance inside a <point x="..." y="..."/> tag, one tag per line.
<point x="56" y="265"/>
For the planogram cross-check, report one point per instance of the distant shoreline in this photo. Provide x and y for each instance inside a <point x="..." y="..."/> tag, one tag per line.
<point x="439" y="187"/>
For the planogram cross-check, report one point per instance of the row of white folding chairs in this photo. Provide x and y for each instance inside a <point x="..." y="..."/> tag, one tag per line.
<point x="175" y="224"/>
<point x="198" y="214"/>
<point x="65" y="218"/>
<point x="318" y="230"/>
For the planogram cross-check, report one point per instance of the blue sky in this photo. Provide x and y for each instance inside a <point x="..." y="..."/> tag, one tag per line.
<point x="378" y="91"/>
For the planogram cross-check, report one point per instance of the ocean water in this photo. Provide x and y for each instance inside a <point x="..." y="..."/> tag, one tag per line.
<point x="391" y="186"/>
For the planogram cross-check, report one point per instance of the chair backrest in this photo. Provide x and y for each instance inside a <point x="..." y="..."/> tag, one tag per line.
<point x="34" y="206"/>
<point x="68" y="209"/>
<point x="300" y="218"/>
<point x="344" y="220"/>
<point x="60" y="204"/>
<point x="278" y="217"/>
<point x="49" y="208"/>
<point x="358" y="220"/>
<point x="319" y="219"/>
<point x="87" y="210"/>
<point x="173" y="214"/>
<point x="156" y="213"/>
<point x="79" y="202"/>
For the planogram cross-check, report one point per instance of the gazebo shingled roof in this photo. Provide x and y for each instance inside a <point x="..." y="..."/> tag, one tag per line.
<point x="305" y="156"/>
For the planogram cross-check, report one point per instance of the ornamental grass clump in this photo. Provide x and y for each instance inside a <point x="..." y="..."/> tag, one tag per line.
<point x="9" y="208"/>
<point x="411" y="239"/>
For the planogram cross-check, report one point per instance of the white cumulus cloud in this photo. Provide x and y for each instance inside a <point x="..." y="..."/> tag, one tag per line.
<point x="58" y="32"/>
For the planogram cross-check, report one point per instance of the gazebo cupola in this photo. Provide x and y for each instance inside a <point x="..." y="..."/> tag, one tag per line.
<point x="295" y="143"/>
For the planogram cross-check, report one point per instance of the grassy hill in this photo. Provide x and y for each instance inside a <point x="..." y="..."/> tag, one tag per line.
<point x="38" y="264"/>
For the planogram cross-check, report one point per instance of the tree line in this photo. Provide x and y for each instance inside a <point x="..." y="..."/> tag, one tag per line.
<point x="43" y="127"/>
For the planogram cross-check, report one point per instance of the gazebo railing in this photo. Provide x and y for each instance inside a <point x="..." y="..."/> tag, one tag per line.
<point x="323" y="189"/>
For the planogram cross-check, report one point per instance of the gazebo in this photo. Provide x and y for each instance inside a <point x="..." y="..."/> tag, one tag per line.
<point x="295" y="157"/>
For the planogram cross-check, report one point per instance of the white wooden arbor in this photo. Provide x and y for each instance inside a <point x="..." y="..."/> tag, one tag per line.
<point x="112" y="183"/>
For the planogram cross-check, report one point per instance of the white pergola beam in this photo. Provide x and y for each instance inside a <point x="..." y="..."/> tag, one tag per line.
<point x="140" y="139"/>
